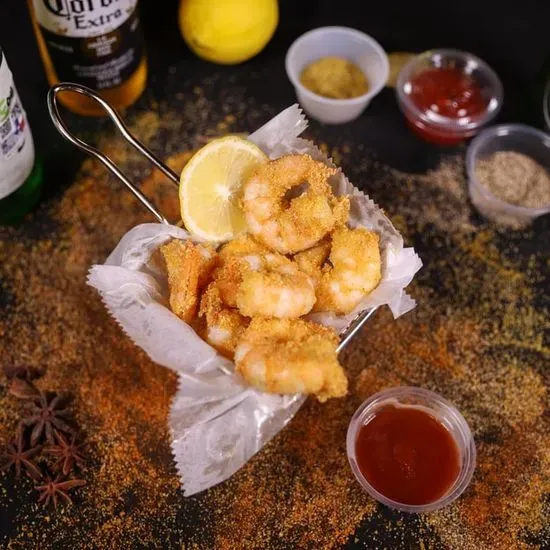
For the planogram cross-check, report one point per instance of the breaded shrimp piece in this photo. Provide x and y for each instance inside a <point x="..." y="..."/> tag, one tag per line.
<point x="243" y="245"/>
<point x="273" y="286"/>
<point x="229" y="278"/>
<point x="230" y="256"/>
<point x="291" y="356"/>
<point x="312" y="260"/>
<point x="353" y="270"/>
<point x="286" y="223"/>
<point x="224" y="326"/>
<point x="189" y="267"/>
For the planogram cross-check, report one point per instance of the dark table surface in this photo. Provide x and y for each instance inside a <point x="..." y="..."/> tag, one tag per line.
<point x="509" y="38"/>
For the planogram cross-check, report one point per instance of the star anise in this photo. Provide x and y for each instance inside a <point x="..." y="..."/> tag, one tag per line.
<point x="45" y="416"/>
<point x="57" y="488"/>
<point x="18" y="458"/>
<point x="23" y="390"/>
<point x="68" y="453"/>
<point x="25" y="372"/>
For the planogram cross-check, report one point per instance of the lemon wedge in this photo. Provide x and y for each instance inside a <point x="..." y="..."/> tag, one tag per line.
<point x="211" y="184"/>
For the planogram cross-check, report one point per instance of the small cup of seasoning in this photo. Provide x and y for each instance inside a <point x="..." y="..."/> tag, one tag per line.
<point x="410" y="449"/>
<point x="336" y="71"/>
<point x="508" y="169"/>
<point x="447" y="96"/>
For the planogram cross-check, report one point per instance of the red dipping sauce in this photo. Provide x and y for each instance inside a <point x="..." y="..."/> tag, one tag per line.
<point x="448" y="92"/>
<point x="448" y="95"/>
<point x="407" y="455"/>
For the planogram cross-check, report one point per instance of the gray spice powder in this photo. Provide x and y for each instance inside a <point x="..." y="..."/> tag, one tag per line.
<point x="515" y="178"/>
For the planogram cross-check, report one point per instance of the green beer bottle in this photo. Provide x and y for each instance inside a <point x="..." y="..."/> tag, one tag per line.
<point x="20" y="174"/>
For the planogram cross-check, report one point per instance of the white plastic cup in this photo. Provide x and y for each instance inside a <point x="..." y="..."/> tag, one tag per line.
<point x="351" y="44"/>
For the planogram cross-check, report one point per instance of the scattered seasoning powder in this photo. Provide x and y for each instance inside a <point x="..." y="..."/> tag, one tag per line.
<point x="515" y="178"/>
<point x="477" y="338"/>
<point x="334" y="77"/>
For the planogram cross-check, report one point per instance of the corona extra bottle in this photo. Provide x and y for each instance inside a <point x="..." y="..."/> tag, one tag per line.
<point x="97" y="43"/>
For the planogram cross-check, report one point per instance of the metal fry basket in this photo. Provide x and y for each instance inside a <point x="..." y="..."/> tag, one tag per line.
<point x="345" y="336"/>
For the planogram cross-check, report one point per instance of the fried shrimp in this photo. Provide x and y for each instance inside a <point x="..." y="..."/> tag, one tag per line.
<point x="229" y="274"/>
<point x="189" y="266"/>
<point x="224" y="326"/>
<point x="273" y="286"/>
<point x="243" y="245"/>
<point x="311" y="261"/>
<point x="290" y="356"/>
<point x="290" y="224"/>
<point x="228" y="279"/>
<point x="352" y="271"/>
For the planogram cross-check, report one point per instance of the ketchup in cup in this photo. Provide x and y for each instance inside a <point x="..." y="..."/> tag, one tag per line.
<point x="448" y="95"/>
<point x="411" y="449"/>
<point x="407" y="455"/>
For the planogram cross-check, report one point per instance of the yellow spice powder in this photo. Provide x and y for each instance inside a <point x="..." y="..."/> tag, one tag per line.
<point x="334" y="77"/>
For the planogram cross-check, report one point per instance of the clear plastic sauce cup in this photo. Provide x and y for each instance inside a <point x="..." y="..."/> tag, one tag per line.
<point x="474" y="79"/>
<point x="441" y="410"/>
<point x="506" y="137"/>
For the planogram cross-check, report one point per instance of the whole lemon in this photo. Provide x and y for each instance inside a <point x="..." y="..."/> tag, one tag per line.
<point x="228" y="31"/>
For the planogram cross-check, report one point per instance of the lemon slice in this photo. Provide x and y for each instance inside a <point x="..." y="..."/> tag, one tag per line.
<point x="210" y="187"/>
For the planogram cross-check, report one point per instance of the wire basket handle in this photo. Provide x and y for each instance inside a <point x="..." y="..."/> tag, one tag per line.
<point x="346" y="336"/>
<point x="62" y="128"/>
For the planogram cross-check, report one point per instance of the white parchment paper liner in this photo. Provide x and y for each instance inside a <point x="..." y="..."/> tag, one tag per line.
<point x="217" y="422"/>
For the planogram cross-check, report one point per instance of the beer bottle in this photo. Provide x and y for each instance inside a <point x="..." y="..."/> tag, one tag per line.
<point x="20" y="174"/>
<point x="97" y="43"/>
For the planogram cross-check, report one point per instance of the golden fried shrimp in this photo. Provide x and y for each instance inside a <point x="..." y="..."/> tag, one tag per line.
<point x="290" y="224"/>
<point x="189" y="266"/>
<point x="352" y="271"/>
<point x="224" y="326"/>
<point x="229" y="274"/>
<point x="243" y="245"/>
<point x="228" y="279"/>
<point x="273" y="286"/>
<point x="291" y="356"/>
<point x="312" y="260"/>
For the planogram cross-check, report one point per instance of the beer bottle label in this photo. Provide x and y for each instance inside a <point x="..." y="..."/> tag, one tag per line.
<point x="97" y="43"/>
<point x="16" y="145"/>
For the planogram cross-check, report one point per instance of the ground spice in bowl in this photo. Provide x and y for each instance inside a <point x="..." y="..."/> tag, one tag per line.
<point x="515" y="178"/>
<point x="508" y="168"/>
<point x="334" y="77"/>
